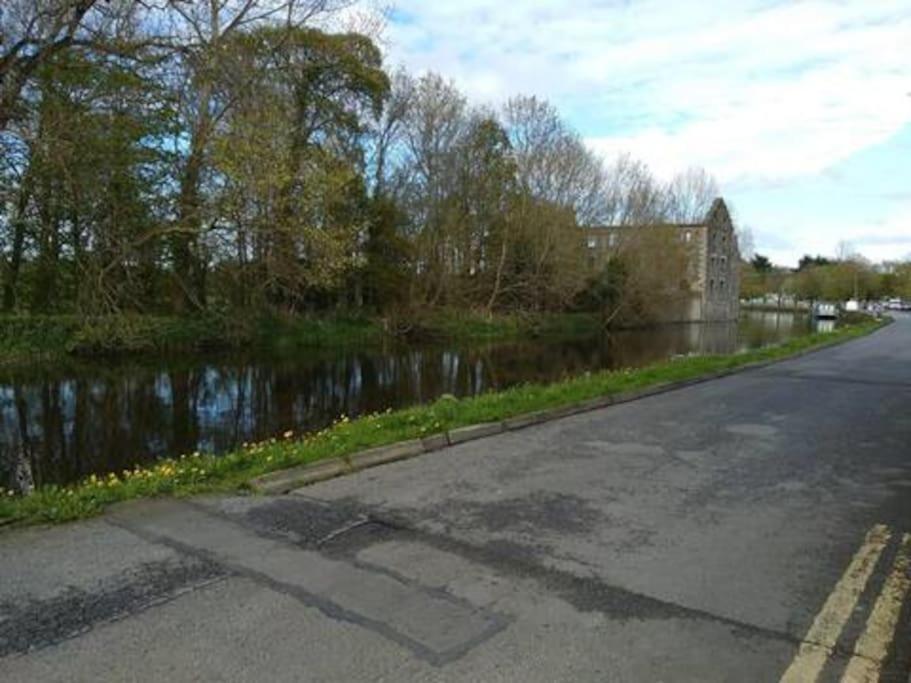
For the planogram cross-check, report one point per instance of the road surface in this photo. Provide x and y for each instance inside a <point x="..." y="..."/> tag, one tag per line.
<point x="752" y="528"/>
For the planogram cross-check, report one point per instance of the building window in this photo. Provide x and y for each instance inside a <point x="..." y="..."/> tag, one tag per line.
<point x="592" y="242"/>
<point x="721" y="286"/>
<point x="687" y="236"/>
<point x="612" y="239"/>
<point x="712" y="285"/>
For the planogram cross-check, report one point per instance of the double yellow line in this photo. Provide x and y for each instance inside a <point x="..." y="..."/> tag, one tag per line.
<point x="871" y="649"/>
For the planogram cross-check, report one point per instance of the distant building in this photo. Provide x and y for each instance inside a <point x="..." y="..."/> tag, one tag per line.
<point x="712" y="269"/>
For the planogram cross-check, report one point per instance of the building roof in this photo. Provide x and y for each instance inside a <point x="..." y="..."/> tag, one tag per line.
<point x="717" y="205"/>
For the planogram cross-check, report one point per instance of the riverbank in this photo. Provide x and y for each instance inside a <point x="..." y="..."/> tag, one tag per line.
<point x="772" y="308"/>
<point x="31" y="339"/>
<point x="195" y="473"/>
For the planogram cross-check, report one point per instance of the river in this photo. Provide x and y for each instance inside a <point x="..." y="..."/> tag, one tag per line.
<point x="62" y="423"/>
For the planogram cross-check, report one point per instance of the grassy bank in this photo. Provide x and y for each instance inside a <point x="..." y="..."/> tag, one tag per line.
<point x="196" y="473"/>
<point x="472" y="326"/>
<point x="28" y="339"/>
<point x="38" y="338"/>
<point x="772" y="308"/>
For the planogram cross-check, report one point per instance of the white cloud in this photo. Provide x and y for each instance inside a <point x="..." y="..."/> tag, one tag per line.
<point x="887" y="240"/>
<point x="753" y="91"/>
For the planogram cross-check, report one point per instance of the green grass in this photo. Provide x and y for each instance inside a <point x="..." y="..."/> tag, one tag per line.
<point x="195" y="474"/>
<point x="31" y="339"/>
<point x="471" y="326"/>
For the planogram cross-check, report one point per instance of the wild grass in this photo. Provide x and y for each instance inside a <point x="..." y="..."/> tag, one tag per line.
<point x="199" y="473"/>
<point x="32" y="339"/>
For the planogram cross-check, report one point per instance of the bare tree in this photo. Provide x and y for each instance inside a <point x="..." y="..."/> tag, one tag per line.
<point x="387" y="134"/>
<point x="689" y="195"/>
<point x="746" y="243"/>
<point x="553" y="164"/>
<point x="632" y="196"/>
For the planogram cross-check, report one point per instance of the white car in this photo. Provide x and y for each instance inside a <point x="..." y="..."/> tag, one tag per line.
<point x="824" y="309"/>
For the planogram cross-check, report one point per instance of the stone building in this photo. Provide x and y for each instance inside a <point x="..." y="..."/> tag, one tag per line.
<point x="712" y="291"/>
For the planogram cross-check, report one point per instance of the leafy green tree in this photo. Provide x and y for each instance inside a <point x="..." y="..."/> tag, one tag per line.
<point x="761" y="264"/>
<point x="301" y="216"/>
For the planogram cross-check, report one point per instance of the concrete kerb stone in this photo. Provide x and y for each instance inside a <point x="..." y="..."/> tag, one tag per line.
<point x="435" y="442"/>
<point x="383" y="454"/>
<point x="284" y="481"/>
<point x="597" y="402"/>
<point x="564" y="411"/>
<point x="472" y="432"/>
<point x="636" y="394"/>
<point x="526" y="420"/>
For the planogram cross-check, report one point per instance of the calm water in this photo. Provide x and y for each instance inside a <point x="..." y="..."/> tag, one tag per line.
<point x="59" y="425"/>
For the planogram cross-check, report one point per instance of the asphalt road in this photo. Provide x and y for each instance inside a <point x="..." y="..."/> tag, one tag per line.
<point x="746" y="529"/>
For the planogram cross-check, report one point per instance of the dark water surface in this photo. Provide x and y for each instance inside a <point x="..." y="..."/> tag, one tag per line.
<point x="59" y="424"/>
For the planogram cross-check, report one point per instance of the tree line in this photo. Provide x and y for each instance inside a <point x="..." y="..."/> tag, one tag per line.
<point x="818" y="278"/>
<point x="166" y="156"/>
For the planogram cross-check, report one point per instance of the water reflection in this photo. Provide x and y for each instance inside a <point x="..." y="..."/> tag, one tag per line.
<point x="59" y="425"/>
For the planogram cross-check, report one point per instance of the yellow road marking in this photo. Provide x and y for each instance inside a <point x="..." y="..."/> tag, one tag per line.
<point x="873" y="644"/>
<point x="827" y="626"/>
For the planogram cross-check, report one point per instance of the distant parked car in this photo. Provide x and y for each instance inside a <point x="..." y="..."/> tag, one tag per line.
<point x="825" y="310"/>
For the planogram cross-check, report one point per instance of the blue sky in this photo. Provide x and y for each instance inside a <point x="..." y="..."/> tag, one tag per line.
<point x="802" y="110"/>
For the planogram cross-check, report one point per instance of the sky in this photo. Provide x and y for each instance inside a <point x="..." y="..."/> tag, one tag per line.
<point x="800" y="109"/>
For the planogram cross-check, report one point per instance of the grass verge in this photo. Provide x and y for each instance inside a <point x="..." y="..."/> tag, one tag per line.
<point x="196" y="473"/>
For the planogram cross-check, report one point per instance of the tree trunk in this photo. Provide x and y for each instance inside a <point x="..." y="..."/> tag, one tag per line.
<point x="498" y="279"/>
<point x="191" y="294"/>
<point x="11" y="276"/>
